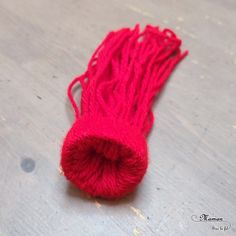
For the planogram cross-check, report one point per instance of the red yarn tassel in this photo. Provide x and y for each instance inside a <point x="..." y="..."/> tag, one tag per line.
<point x="105" y="151"/>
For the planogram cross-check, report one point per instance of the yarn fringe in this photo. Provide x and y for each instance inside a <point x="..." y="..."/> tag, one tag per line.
<point x="126" y="73"/>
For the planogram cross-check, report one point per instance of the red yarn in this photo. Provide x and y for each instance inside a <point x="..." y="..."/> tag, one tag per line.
<point x="105" y="151"/>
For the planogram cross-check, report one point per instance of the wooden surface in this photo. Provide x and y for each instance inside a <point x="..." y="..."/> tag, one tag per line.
<point x="43" y="45"/>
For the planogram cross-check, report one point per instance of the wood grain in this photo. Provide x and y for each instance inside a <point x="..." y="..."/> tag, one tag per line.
<point x="192" y="171"/>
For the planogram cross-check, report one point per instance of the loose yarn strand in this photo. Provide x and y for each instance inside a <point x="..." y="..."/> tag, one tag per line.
<point x="79" y="79"/>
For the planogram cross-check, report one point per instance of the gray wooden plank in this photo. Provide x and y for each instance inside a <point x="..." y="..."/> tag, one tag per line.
<point x="43" y="45"/>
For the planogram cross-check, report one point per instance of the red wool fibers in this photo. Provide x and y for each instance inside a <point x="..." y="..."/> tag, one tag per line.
<point x="105" y="151"/>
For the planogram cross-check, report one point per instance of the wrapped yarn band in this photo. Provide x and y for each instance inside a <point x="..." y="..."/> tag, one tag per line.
<point x="104" y="157"/>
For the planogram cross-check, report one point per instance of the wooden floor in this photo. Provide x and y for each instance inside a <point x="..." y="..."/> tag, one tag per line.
<point x="192" y="171"/>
